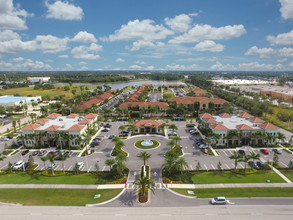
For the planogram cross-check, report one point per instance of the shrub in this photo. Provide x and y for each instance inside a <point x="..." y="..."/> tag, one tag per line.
<point x="118" y="150"/>
<point x="139" y="145"/>
<point x="248" y="171"/>
<point x="56" y="173"/>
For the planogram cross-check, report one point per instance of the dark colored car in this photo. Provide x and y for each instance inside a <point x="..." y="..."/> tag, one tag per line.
<point x="285" y="143"/>
<point x="241" y="152"/>
<point x="260" y="164"/>
<point x="189" y="125"/>
<point x="35" y="153"/>
<point x="67" y="153"/>
<point x="111" y="136"/>
<point x="9" y="137"/>
<point x="24" y="152"/>
<point x="253" y="165"/>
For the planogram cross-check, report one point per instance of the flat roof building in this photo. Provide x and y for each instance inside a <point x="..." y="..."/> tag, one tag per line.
<point x="16" y="100"/>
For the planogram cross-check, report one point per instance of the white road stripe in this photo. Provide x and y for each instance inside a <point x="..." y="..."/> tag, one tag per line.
<point x="206" y="167"/>
<point x="227" y="166"/>
<point x="225" y="152"/>
<point x="213" y="166"/>
<point x="284" y="164"/>
<point x="241" y="165"/>
<point x="104" y="168"/>
<point x="89" y="168"/>
<point x="69" y="167"/>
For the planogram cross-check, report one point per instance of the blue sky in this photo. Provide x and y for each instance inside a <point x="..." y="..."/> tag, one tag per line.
<point x="37" y="35"/>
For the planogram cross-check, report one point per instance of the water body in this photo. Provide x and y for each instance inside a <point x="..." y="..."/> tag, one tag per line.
<point x="124" y="84"/>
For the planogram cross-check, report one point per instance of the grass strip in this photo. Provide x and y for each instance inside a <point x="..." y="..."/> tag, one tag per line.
<point x="56" y="197"/>
<point x="239" y="192"/>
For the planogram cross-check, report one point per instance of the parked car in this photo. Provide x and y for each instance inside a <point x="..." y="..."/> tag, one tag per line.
<point x="50" y="166"/>
<point x="111" y="136"/>
<point x="190" y="126"/>
<point x="105" y="129"/>
<point x="9" y="137"/>
<point x="203" y="146"/>
<point x="80" y="165"/>
<point x="35" y="153"/>
<point x="24" y="152"/>
<point x="253" y="165"/>
<point x="5" y="139"/>
<point x="277" y="150"/>
<point x="193" y="132"/>
<point x="50" y="153"/>
<point x="18" y="165"/>
<point x="67" y="153"/>
<point x="241" y="152"/>
<point x="264" y="151"/>
<point x="285" y="143"/>
<point x="218" y="200"/>
<point x="42" y="153"/>
<point x="260" y="164"/>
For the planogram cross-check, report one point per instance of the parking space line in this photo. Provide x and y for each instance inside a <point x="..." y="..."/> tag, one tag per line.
<point x="3" y="167"/>
<point x="191" y="167"/>
<point x="241" y="165"/>
<point x="104" y="168"/>
<point x="213" y="166"/>
<point x="69" y="167"/>
<point x="89" y="168"/>
<point x="284" y="164"/>
<point x="206" y="167"/>
<point x="225" y="152"/>
<point x="227" y="166"/>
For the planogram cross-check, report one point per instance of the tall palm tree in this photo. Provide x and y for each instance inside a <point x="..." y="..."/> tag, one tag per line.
<point x="280" y="136"/>
<point x="131" y="128"/>
<point x="44" y="159"/>
<point x="144" y="156"/>
<point x="182" y="164"/>
<point x="169" y="164"/>
<point x="245" y="159"/>
<point x="14" y="125"/>
<point x="176" y="139"/>
<point x="62" y="158"/>
<point x="110" y="163"/>
<point x="115" y="139"/>
<point x="120" y="144"/>
<point x="171" y="143"/>
<point x="236" y="157"/>
<point x="144" y="183"/>
<point x="254" y="156"/>
<point x="52" y="158"/>
<point x="173" y="126"/>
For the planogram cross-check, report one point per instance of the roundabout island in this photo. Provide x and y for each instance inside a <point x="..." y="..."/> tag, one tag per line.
<point x="147" y="144"/>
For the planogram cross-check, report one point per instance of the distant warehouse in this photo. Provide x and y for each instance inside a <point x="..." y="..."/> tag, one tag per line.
<point x="38" y="79"/>
<point x="17" y="100"/>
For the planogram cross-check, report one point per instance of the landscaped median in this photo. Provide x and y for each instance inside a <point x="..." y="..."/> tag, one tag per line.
<point x="154" y="144"/>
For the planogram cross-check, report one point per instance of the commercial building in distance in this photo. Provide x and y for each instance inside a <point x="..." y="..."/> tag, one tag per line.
<point x="279" y="92"/>
<point x="38" y="79"/>
<point x="17" y="100"/>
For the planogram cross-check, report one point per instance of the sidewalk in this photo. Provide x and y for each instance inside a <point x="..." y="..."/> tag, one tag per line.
<point x="61" y="186"/>
<point x="228" y="185"/>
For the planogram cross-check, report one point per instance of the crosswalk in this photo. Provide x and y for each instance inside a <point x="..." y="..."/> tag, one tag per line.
<point x="158" y="186"/>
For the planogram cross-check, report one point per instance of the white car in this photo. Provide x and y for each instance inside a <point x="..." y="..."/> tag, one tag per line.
<point x="218" y="200"/>
<point x="203" y="146"/>
<point x="18" y="165"/>
<point x="80" y="165"/>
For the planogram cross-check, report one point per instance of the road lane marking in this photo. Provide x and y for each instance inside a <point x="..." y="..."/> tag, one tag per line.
<point x="241" y="165"/>
<point x="225" y="152"/>
<point x="191" y="167"/>
<point x="89" y="168"/>
<point x="213" y="166"/>
<point x="69" y="167"/>
<point x="284" y="164"/>
<point x="206" y="167"/>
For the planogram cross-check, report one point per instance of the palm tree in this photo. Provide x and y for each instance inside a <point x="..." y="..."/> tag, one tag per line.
<point x="176" y="139"/>
<point x="232" y="134"/>
<point x="280" y="136"/>
<point x="62" y="158"/>
<point x="110" y="163"/>
<point x="51" y="158"/>
<point x="120" y="166"/>
<point x="120" y="144"/>
<point x="173" y="127"/>
<point x="131" y="128"/>
<point x="245" y="159"/>
<point x="254" y="156"/>
<point x="182" y="164"/>
<point x="14" y="125"/>
<point x="144" y="156"/>
<point x="18" y="121"/>
<point x="115" y="139"/>
<point x="171" y="143"/>
<point x="236" y="157"/>
<point x="144" y="183"/>
<point x="169" y="164"/>
<point x="44" y="159"/>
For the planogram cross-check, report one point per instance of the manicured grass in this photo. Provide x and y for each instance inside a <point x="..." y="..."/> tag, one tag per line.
<point x="59" y="90"/>
<point x="56" y="197"/>
<point x="239" y="192"/>
<point x="230" y="177"/>
<point x="288" y="174"/>
<point x="17" y="116"/>
<point x="37" y="178"/>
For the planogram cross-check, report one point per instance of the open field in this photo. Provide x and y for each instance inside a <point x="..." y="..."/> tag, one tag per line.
<point x="230" y="177"/>
<point x="274" y="119"/>
<point x="239" y="192"/>
<point x="59" y="90"/>
<point x="37" y="178"/>
<point x="56" y="197"/>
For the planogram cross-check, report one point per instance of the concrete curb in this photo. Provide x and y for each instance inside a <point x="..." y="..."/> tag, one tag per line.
<point x="178" y="194"/>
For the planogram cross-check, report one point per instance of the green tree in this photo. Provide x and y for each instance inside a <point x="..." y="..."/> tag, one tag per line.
<point x="245" y="159"/>
<point x="52" y="158"/>
<point x="144" y="183"/>
<point x="198" y="166"/>
<point x="62" y="158"/>
<point x="144" y="156"/>
<point x="173" y="127"/>
<point x="30" y="162"/>
<point x="14" y="125"/>
<point x="176" y="139"/>
<point x="171" y="143"/>
<point x="44" y="159"/>
<point x="236" y="157"/>
<point x="182" y="164"/>
<point x="110" y="163"/>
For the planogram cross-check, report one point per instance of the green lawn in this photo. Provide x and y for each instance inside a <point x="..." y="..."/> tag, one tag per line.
<point x="288" y="174"/>
<point x="230" y="177"/>
<point x="56" y="197"/>
<point x="239" y="192"/>
<point x="23" y="178"/>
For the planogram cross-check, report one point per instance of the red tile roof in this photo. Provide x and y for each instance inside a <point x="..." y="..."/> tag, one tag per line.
<point x="218" y="127"/>
<point x="148" y="123"/>
<point x="218" y="101"/>
<point x="144" y="104"/>
<point x="210" y="121"/>
<point x="192" y="100"/>
<point x="199" y="91"/>
<point x="205" y="115"/>
<point x="225" y="115"/>
<point x="268" y="126"/>
<point x="91" y="116"/>
<point x="54" y="115"/>
<point x="244" y="127"/>
<point x="256" y="120"/>
<point x="76" y="127"/>
<point x="245" y="115"/>
<point x="135" y="96"/>
<point x="95" y="101"/>
<point x="53" y="128"/>
<point x="72" y="115"/>
<point x="42" y="121"/>
<point x="30" y="127"/>
<point x="85" y="121"/>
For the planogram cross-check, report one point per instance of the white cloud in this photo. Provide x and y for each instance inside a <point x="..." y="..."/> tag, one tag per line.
<point x="9" y="35"/>
<point x="145" y="44"/>
<point x="209" y="45"/>
<point x="262" y="52"/>
<point x="64" y="11"/>
<point x="258" y="66"/>
<point x="27" y="65"/>
<point x="206" y="32"/>
<point x="14" y="46"/>
<point x="220" y="66"/>
<point x="135" y="67"/>
<point x="286" y="9"/>
<point x="150" y="68"/>
<point x="282" y="60"/>
<point x="52" y="44"/>
<point x="182" y="67"/>
<point x="281" y="39"/>
<point x="290" y="65"/>
<point x="12" y="17"/>
<point x="85" y="37"/>
<point x="180" y="23"/>
<point x="68" y="66"/>
<point x="85" y="52"/>
<point x="286" y="52"/>
<point x="140" y="62"/>
<point x="120" y="60"/>
<point x="84" y="68"/>
<point x="17" y="59"/>
<point x="63" y="56"/>
<point x="82" y="63"/>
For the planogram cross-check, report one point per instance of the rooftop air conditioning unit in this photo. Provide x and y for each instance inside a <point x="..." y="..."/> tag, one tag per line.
<point x="60" y="119"/>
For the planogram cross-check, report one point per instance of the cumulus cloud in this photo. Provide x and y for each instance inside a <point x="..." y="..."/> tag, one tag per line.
<point x="286" y="9"/>
<point x="281" y="39"/>
<point x="82" y="63"/>
<point x="220" y="66"/>
<point x="85" y="37"/>
<point x="68" y="66"/>
<point x="140" y="62"/>
<point x="64" y="11"/>
<point x="87" y="52"/>
<point x="262" y="52"/>
<point x="63" y="56"/>
<point x="84" y="68"/>
<point x="135" y="67"/>
<point x="207" y="32"/>
<point x="286" y="52"/>
<point x="247" y="66"/>
<point x="8" y="35"/>
<point x="145" y="44"/>
<point x="12" y="17"/>
<point x="27" y="65"/>
<point x="120" y="60"/>
<point x="52" y="44"/>
<point x="180" y="23"/>
<point x="209" y="45"/>
<point x="15" y="46"/>
<point x="17" y="59"/>
<point x="182" y="67"/>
